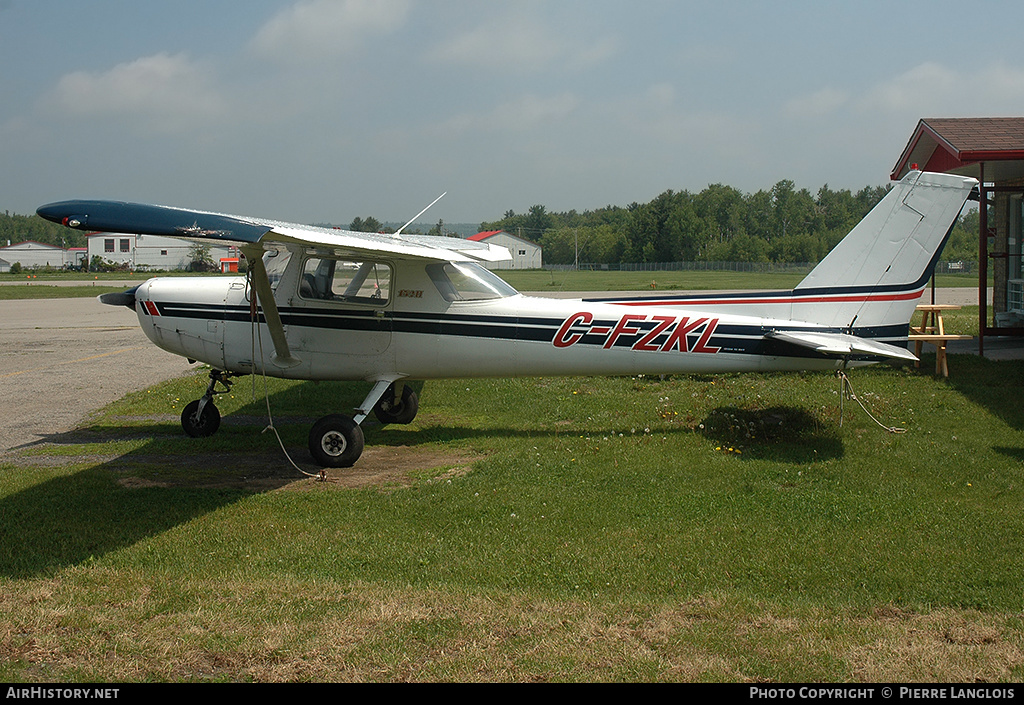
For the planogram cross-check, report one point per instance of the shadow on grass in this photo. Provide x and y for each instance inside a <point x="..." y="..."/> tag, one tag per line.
<point x="779" y="433"/>
<point x="141" y="476"/>
<point x="992" y="385"/>
<point x="121" y="497"/>
<point x="1016" y="454"/>
<point x="76" y="517"/>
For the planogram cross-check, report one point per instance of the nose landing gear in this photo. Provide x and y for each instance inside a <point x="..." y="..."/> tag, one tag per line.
<point x="201" y="418"/>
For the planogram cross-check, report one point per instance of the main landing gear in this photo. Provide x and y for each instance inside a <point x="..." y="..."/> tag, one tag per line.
<point x="336" y="440"/>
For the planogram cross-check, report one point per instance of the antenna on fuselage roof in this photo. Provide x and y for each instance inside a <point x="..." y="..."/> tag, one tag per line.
<point x="399" y="231"/>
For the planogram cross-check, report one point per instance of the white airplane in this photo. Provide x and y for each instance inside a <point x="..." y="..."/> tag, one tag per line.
<point x="339" y="305"/>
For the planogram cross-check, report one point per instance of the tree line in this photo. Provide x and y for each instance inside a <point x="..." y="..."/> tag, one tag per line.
<point x="19" y="228"/>
<point x="718" y="224"/>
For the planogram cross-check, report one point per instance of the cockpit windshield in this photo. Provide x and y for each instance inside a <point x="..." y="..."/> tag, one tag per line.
<point x="467" y="281"/>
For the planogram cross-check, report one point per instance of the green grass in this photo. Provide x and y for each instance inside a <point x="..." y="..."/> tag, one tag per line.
<point x="962" y="321"/>
<point x="638" y="529"/>
<point x="47" y="291"/>
<point x="43" y="276"/>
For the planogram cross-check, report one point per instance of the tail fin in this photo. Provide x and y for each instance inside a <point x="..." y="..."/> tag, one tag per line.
<point x="875" y="276"/>
<point x="870" y="283"/>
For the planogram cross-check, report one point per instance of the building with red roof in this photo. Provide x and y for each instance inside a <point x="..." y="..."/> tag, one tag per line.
<point x="992" y="151"/>
<point x="32" y="255"/>
<point x="525" y="254"/>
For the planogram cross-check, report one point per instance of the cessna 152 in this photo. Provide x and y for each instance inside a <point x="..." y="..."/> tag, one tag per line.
<point x="341" y="305"/>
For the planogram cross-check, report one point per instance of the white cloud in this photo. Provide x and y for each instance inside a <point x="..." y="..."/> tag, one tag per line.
<point x="521" y="45"/>
<point x="935" y="90"/>
<point x="524" y="113"/>
<point x="919" y="88"/>
<point x="928" y="89"/>
<point x="861" y="131"/>
<point x="661" y="95"/>
<point x="818" y="104"/>
<point x="318" y="29"/>
<point x="165" y="92"/>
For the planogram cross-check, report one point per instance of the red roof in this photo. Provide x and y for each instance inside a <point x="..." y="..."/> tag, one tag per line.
<point x="959" y="145"/>
<point x="480" y="237"/>
<point x="31" y="242"/>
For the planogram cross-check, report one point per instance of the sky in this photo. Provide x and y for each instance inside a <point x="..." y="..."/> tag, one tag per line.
<point x="318" y="111"/>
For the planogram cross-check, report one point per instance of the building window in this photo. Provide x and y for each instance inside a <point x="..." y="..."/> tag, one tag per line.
<point x="126" y="245"/>
<point x="522" y="253"/>
<point x="108" y="245"/>
<point x="163" y="253"/>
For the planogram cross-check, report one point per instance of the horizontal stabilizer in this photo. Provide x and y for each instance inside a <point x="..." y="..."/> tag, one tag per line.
<point x="842" y="344"/>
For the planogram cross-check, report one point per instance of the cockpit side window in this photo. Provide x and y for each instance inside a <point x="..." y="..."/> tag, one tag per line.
<point x="467" y="281"/>
<point x="329" y="279"/>
<point x="275" y="262"/>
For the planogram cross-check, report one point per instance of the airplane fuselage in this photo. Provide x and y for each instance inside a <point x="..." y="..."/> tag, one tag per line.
<point x="413" y="332"/>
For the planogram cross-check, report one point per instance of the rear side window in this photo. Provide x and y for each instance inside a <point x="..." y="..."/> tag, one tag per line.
<point x="467" y="281"/>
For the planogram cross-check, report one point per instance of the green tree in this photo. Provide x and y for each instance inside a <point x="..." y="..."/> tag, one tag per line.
<point x="537" y="221"/>
<point x="369" y="225"/>
<point x="199" y="257"/>
<point x="438" y="230"/>
<point x="782" y="224"/>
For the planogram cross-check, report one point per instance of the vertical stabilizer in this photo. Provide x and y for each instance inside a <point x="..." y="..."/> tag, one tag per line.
<point x="875" y="276"/>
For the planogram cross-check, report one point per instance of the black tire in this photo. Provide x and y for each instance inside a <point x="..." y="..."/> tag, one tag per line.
<point x="335" y="441"/>
<point x="203" y="426"/>
<point x="388" y="411"/>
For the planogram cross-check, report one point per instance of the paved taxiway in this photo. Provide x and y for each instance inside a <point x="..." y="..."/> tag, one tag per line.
<point x="62" y="358"/>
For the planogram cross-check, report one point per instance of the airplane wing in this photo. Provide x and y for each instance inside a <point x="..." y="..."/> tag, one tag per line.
<point x="404" y="245"/>
<point x="842" y="344"/>
<point x="138" y="218"/>
<point x="252" y="235"/>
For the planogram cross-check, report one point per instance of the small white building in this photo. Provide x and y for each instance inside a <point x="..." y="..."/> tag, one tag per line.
<point x="525" y="254"/>
<point x="32" y="255"/>
<point x="149" y="251"/>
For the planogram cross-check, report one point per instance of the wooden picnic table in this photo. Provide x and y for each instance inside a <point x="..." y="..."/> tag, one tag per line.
<point x="931" y="331"/>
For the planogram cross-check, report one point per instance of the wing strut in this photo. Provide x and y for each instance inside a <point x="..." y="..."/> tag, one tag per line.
<point x="282" y="355"/>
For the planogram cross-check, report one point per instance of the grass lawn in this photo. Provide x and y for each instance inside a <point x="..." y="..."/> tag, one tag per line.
<point x="52" y="291"/>
<point x="726" y="528"/>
